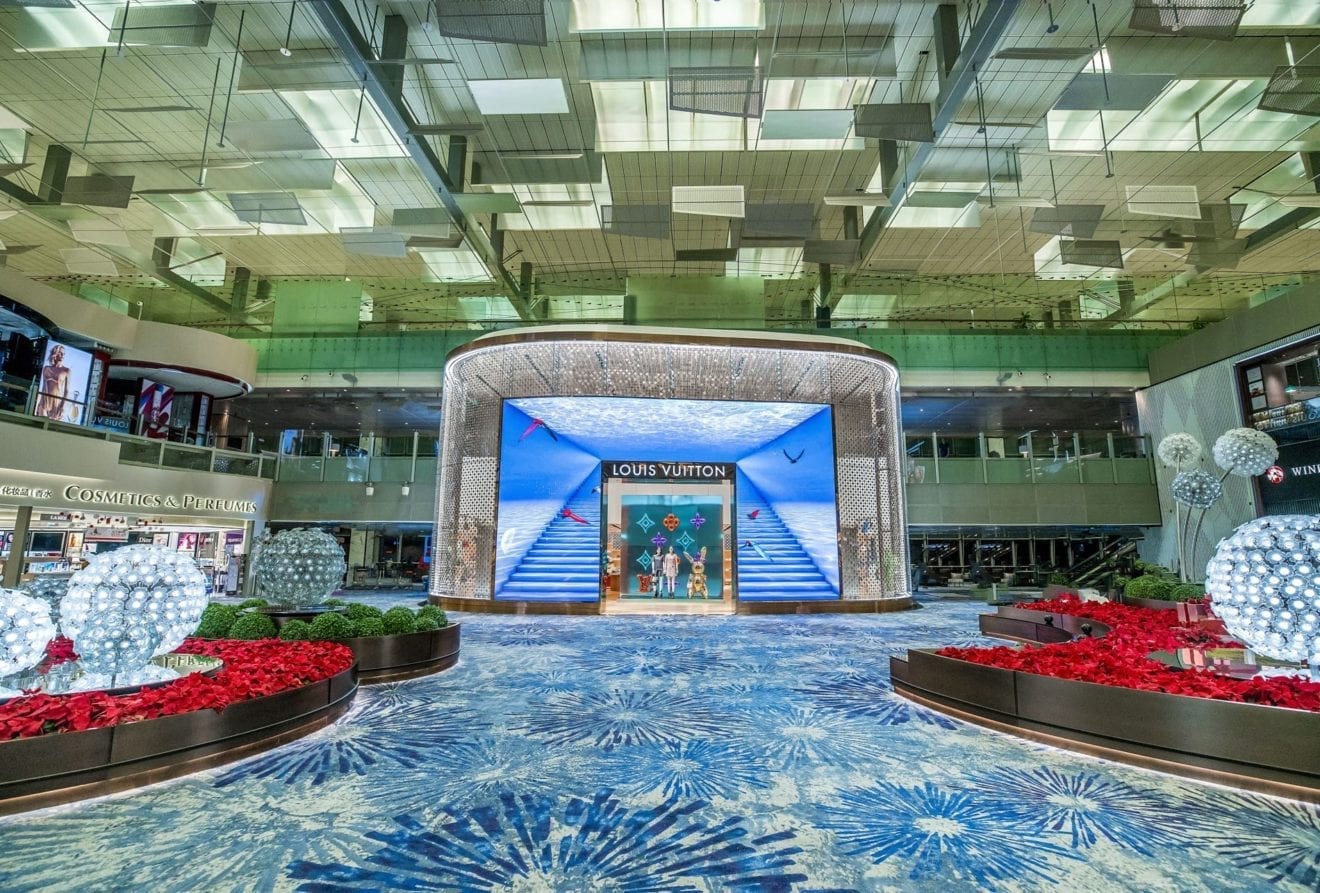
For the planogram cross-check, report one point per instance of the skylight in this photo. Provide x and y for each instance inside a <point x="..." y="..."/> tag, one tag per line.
<point x="673" y="15"/>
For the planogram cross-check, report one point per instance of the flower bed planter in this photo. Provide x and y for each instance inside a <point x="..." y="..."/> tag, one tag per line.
<point x="1253" y="745"/>
<point x="72" y="761"/>
<point x="1157" y="604"/>
<point x="389" y="658"/>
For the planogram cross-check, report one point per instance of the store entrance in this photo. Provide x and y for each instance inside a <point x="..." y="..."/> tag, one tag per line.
<point x="668" y="542"/>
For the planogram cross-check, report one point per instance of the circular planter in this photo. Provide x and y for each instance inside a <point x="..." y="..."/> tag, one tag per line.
<point x="390" y="658"/>
<point x="306" y="614"/>
<point x="60" y="768"/>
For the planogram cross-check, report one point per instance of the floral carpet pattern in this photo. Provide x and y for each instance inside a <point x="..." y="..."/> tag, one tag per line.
<point x="640" y="754"/>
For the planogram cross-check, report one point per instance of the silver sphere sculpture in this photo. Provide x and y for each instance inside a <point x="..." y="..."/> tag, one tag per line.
<point x="1196" y="489"/>
<point x="25" y="631"/>
<point x="1245" y="451"/>
<point x="1264" y="580"/>
<point x="299" y="567"/>
<point x="1178" y="450"/>
<point x="49" y="588"/>
<point x="127" y="600"/>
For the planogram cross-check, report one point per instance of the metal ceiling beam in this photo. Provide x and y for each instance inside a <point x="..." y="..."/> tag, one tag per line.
<point x="357" y="52"/>
<point x="980" y="45"/>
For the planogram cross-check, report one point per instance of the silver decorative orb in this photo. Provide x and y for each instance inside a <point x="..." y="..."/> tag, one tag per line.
<point x="122" y="644"/>
<point x="1178" y="450"/>
<point x="49" y="588"/>
<point x="1264" y="580"/>
<point x="1196" y="489"/>
<point x="152" y="586"/>
<point x="1245" y="451"/>
<point x="25" y="630"/>
<point x="299" y="567"/>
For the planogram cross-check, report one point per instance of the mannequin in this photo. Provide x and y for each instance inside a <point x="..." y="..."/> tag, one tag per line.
<point x="657" y="562"/>
<point x="669" y="568"/>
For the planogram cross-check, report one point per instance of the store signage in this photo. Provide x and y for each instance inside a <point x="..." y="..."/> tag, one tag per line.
<point x="671" y="471"/>
<point x="26" y="492"/>
<point x="110" y="423"/>
<point x="185" y="501"/>
<point x="1292" y="485"/>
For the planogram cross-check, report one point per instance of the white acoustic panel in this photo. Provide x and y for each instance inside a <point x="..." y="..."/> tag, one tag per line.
<point x="521" y="96"/>
<point x="859" y="199"/>
<point x="806" y="124"/>
<point x="283" y="135"/>
<point x="1164" y="201"/>
<point x="87" y="262"/>
<point x="710" y="201"/>
<point x="97" y="231"/>
<point x="432" y="222"/>
<point x="372" y="242"/>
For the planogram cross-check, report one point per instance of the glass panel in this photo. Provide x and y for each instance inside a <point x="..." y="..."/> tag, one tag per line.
<point x="427" y="471"/>
<point x="920" y="471"/>
<point x="1060" y="470"/>
<point x="1007" y="471"/>
<point x="919" y="446"/>
<point x="1097" y="471"/>
<point x="1133" y="471"/>
<point x="182" y="457"/>
<point x="139" y="452"/>
<point x="345" y="469"/>
<point x="305" y="468"/>
<point x="387" y="469"/>
<point x="1128" y="446"/>
<point x="234" y="463"/>
<point x="961" y="471"/>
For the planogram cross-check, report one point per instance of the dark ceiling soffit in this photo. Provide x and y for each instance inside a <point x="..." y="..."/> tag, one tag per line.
<point x="976" y="51"/>
<point x="343" y="31"/>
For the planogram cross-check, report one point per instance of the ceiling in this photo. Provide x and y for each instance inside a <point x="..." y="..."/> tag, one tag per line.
<point x="276" y="149"/>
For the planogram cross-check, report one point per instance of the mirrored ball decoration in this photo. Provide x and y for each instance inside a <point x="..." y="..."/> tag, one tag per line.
<point x="299" y="567"/>
<point x="49" y="588"/>
<point x="1264" y="581"/>
<point x="1178" y="450"/>
<point x="1196" y="489"/>
<point x="25" y="630"/>
<point x="128" y="599"/>
<point x="1245" y="451"/>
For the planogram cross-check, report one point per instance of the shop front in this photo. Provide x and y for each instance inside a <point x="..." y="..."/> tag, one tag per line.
<point x="84" y="500"/>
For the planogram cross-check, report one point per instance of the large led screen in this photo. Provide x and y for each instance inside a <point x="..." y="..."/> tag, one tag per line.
<point x="61" y="392"/>
<point x="630" y="498"/>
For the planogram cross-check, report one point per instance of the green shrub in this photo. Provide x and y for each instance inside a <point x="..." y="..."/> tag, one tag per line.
<point x="296" y="631"/>
<point x="426" y="624"/>
<point x="253" y="603"/>
<point x="361" y="612"/>
<point x="1151" y="569"/>
<point x="369" y="626"/>
<point x="216" y="621"/>
<point x="331" y="626"/>
<point x="1186" y="592"/>
<point x="253" y="626"/>
<point x="1059" y="578"/>
<point x="432" y="612"/>
<point x="1120" y="582"/>
<point x="1149" y="586"/>
<point x="399" y="621"/>
<point x="335" y="602"/>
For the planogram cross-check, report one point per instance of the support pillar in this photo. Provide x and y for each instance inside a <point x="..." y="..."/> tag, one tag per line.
<point x="18" y="549"/>
<point x="947" y="44"/>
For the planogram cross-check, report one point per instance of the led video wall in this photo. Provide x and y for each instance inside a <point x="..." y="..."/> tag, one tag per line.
<point x="629" y="497"/>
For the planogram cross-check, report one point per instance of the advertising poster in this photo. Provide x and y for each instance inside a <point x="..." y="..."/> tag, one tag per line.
<point x="155" y="403"/>
<point x="187" y="543"/>
<point x="62" y="384"/>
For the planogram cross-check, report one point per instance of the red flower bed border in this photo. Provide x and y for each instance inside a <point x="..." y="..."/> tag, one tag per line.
<point x="1121" y="657"/>
<point x="252" y="670"/>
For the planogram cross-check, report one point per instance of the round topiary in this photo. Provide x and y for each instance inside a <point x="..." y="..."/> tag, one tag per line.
<point x="252" y="626"/>
<point x="331" y="627"/>
<point x="1184" y="592"/>
<point x="368" y="626"/>
<point x="358" y="611"/>
<point x="434" y="612"/>
<point x="216" y="621"/>
<point x="296" y="631"/>
<point x="399" y="621"/>
<point x="426" y="624"/>
<point x="1149" y="586"/>
<point x="336" y="602"/>
<point x="253" y="603"/>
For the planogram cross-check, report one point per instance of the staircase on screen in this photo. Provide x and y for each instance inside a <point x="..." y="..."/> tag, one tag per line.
<point x="564" y="562"/>
<point x="790" y="574"/>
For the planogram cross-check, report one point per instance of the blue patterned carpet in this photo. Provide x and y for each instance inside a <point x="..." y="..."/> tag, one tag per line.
<point x="655" y="754"/>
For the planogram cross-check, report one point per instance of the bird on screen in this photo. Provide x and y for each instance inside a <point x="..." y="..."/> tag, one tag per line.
<point x="793" y="460"/>
<point x="573" y="516"/>
<point x="531" y="429"/>
<point x="748" y="544"/>
<point x="751" y="516"/>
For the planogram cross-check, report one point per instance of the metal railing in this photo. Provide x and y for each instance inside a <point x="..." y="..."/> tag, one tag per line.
<point x="135" y="450"/>
<point x="1069" y="458"/>
<point x="370" y="459"/>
